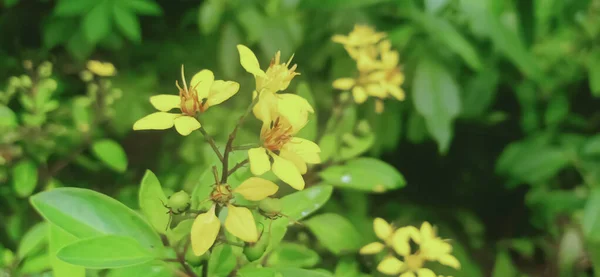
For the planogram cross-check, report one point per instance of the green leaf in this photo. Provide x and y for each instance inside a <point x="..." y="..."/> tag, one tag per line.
<point x="144" y="7"/>
<point x="24" y="178"/>
<point x="335" y="232"/>
<point x="592" y="146"/>
<point x="503" y="266"/>
<point x="591" y="217"/>
<point x="298" y="272"/>
<point x="339" y="4"/>
<point x="252" y="21"/>
<point x="594" y="73"/>
<point x="309" y="131"/>
<point x="209" y="15"/>
<point x="202" y="191"/>
<point x="35" y="264"/>
<point x="302" y="203"/>
<point x="181" y="230"/>
<point x="110" y="153"/>
<point x="33" y="240"/>
<point x="557" y="110"/>
<point x="86" y="213"/>
<point x="8" y="119"/>
<point x="108" y="251"/>
<point x="221" y="261"/>
<point x="367" y="174"/>
<point x="230" y="37"/>
<point x="347" y="267"/>
<point x="79" y="46"/>
<point x="293" y="255"/>
<point x="434" y="6"/>
<point x="151" y="200"/>
<point x="97" y="23"/>
<point x="436" y="97"/>
<point x="128" y="23"/>
<point x="152" y="269"/>
<point x="10" y="3"/>
<point x="479" y="93"/>
<point x="256" y="272"/>
<point x="58" y="238"/>
<point x="353" y="145"/>
<point x="73" y="7"/>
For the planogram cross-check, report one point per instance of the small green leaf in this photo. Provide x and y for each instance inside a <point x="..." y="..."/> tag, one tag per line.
<point x="144" y="7"/>
<point x="151" y="200"/>
<point x="10" y="3"/>
<point x="110" y="153"/>
<point x="347" y="267"/>
<point x="594" y="73"/>
<point x="86" y="213"/>
<point x="591" y="217"/>
<point x="335" y="232"/>
<point x="293" y="255"/>
<point x="97" y="23"/>
<point x="367" y="174"/>
<point x="79" y="46"/>
<point x="58" y="238"/>
<point x="8" y="119"/>
<point x="181" y="230"/>
<point x="436" y="97"/>
<point x="57" y="31"/>
<point x="105" y="252"/>
<point x="24" y="178"/>
<point x="503" y="267"/>
<point x="128" y="23"/>
<point x="209" y="15"/>
<point x="33" y="239"/>
<point x="339" y="4"/>
<point x="35" y="264"/>
<point x="302" y="203"/>
<point x="221" y="261"/>
<point x="73" y="7"/>
<point x="479" y="93"/>
<point x="299" y="272"/>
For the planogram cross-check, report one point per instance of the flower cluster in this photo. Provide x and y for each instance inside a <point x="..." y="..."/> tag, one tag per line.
<point x="401" y="259"/>
<point x="379" y="74"/>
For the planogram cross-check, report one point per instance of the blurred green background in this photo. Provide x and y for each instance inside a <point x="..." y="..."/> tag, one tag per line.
<point x="511" y="172"/>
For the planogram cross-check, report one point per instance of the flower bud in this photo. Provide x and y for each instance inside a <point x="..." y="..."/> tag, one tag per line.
<point x="179" y="201"/>
<point x="270" y="205"/>
<point x="256" y="250"/>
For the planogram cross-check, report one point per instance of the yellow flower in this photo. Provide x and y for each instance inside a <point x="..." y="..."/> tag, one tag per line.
<point x="239" y="221"/>
<point x="361" y="35"/>
<point x="104" y="69"/>
<point x="203" y="93"/>
<point x="384" y="231"/>
<point x="430" y="248"/>
<point x="283" y="153"/>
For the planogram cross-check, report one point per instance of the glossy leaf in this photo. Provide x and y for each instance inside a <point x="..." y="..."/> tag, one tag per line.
<point x="151" y="200"/>
<point x="24" y="177"/>
<point x="105" y="252"/>
<point x="367" y="174"/>
<point x="335" y="233"/>
<point x="110" y="153"/>
<point x="86" y="213"/>
<point x="302" y="203"/>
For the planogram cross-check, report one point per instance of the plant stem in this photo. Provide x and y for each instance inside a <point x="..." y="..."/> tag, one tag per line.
<point x="238" y="166"/>
<point x="244" y="147"/>
<point x="212" y="143"/>
<point x="229" y="146"/>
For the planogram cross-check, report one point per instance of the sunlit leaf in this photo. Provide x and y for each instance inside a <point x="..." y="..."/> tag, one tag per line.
<point x="105" y="252"/>
<point x="302" y="203"/>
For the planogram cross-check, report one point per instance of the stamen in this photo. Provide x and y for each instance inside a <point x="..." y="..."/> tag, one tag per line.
<point x="183" y="78"/>
<point x="290" y="60"/>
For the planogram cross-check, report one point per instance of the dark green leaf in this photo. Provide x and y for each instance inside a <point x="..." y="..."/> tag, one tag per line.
<point x="128" y="23"/>
<point x="58" y="31"/>
<point x="503" y="266"/>
<point x="591" y="217"/>
<point x="79" y="47"/>
<point x="24" y="177"/>
<point x="73" y="7"/>
<point x="302" y="203"/>
<point x="594" y="73"/>
<point x="105" y="252"/>
<point x="97" y="23"/>
<point x="335" y="232"/>
<point x="110" y="153"/>
<point x="144" y="7"/>
<point x="367" y="174"/>
<point x="479" y="93"/>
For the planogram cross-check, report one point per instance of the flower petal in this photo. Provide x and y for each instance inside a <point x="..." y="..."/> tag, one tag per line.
<point x="202" y="83"/>
<point x="259" y="161"/>
<point x="449" y="260"/>
<point x="359" y="94"/>
<point x="390" y="265"/>
<point x="401" y="242"/>
<point x="343" y="83"/>
<point x="371" y="248"/>
<point x="249" y="61"/>
<point x="425" y="272"/>
<point x="256" y="189"/>
<point x="186" y="124"/>
<point x="427" y="231"/>
<point x="165" y="102"/>
<point x="221" y="91"/>
<point x="382" y="229"/>
<point x="408" y="274"/>
<point x="306" y="149"/>
<point x="294" y="158"/>
<point x="295" y="109"/>
<point x="287" y="172"/>
<point x="204" y="232"/>
<point x="104" y="69"/>
<point x="397" y="92"/>
<point x="156" y="121"/>
<point x="240" y="223"/>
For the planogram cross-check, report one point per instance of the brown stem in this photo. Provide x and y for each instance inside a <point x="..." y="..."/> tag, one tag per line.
<point x="229" y="146"/>
<point x="238" y="166"/>
<point x="244" y="147"/>
<point x="188" y="269"/>
<point x="212" y="143"/>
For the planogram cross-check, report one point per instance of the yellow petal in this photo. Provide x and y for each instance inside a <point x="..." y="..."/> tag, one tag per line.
<point x="382" y="229"/>
<point x="266" y="108"/>
<point x="359" y="94"/>
<point x="294" y="158"/>
<point x="425" y="272"/>
<point x="343" y="83"/>
<point x="186" y="124"/>
<point x="397" y="92"/>
<point x="340" y="39"/>
<point x="408" y="274"/>
<point x="165" y="102"/>
<point x="306" y="149"/>
<point x="401" y="242"/>
<point x="204" y="231"/>
<point x="376" y="90"/>
<point x="427" y="230"/>
<point x="450" y="261"/>
<point x="240" y="223"/>
<point x="295" y="109"/>
<point x="259" y="161"/>
<point x="256" y="189"/>
<point x="371" y="248"/>
<point x="287" y="172"/>
<point x="390" y="265"/>
<point x="202" y="82"/>
<point x="156" y="121"/>
<point x="99" y="68"/>
<point x="221" y="91"/>
<point x="249" y="61"/>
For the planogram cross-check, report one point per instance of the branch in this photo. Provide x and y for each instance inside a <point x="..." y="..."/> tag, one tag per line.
<point x="212" y="143"/>
<point x="238" y="166"/>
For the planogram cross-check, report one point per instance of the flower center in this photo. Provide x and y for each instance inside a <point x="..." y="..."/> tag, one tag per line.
<point x="221" y="194"/>
<point x="414" y="262"/>
<point x="277" y="136"/>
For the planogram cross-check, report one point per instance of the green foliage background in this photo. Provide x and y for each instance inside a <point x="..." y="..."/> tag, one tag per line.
<point x="497" y="139"/>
